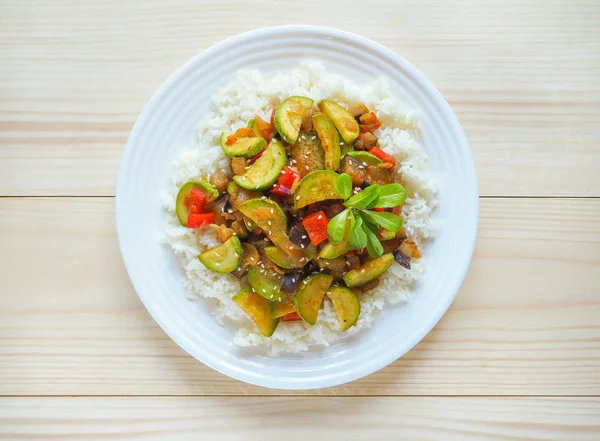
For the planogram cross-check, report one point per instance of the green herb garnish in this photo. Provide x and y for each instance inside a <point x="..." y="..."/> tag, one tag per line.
<point x="364" y="222"/>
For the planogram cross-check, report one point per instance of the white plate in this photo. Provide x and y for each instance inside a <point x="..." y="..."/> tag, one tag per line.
<point x="169" y="120"/>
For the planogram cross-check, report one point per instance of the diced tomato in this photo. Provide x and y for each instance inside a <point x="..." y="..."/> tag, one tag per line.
<point x="290" y="317"/>
<point x="195" y="198"/>
<point x="281" y="190"/>
<point x="385" y="157"/>
<point x="369" y="122"/>
<point x="200" y="220"/>
<point x="231" y="139"/>
<point x="264" y="128"/>
<point x="316" y="226"/>
<point x="378" y="209"/>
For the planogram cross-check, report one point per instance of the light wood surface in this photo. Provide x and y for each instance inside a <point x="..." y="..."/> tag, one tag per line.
<point x="267" y="418"/>
<point x="516" y="357"/>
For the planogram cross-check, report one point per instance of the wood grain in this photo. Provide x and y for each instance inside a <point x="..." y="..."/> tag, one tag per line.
<point x="527" y="319"/>
<point x="370" y="418"/>
<point x="521" y="75"/>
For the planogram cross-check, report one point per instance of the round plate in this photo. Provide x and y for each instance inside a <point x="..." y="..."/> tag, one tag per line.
<point x="168" y="122"/>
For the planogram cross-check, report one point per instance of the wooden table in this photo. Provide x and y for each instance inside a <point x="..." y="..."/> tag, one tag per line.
<point x="516" y="357"/>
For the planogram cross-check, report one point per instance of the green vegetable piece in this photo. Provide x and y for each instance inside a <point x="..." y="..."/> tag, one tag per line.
<point x="252" y="125"/>
<point x="330" y="140"/>
<point x="243" y="146"/>
<point x="389" y="221"/>
<point x="283" y="306"/>
<point x="225" y="258"/>
<point x="288" y="117"/>
<point x="363" y="199"/>
<point x="337" y="226"/>
<point x="308" y="154"/>
<point x="391" y="195"/>
<point x="365" y="158"/>
<point x="341" y="118"/>
<point x="259" y="310"/>
<point x="316" y="186"/>
<point x="265" y="282"/>
<point x="387" y="234"/>
<point x="284" y="260"/>
<point x="265" y="171"/>
<point x="345" y="148"/>
<point x="332" y="250"/>
<point x="346" y="304"/>
<point x="357" y="236"/>
<point x="309" y="297"/>
<point x="344" y="185"/>
<point x="374" y="247"/>
<point x="180" y="208"/>
<point x="369" y="271"/>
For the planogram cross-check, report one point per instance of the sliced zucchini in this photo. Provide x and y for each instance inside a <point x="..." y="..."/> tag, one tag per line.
<point x="386" y="234"/>
<point x="316" y="186"/>
<point x="346" y="304"/>
<point x="265" y="282"/>
<point x="259" y="310"/>
<point x="180" y="208"/>
<point x="243" y="146"/>
<point x="225" y="258"/>
<point x="288" y="117"/>
<point x="365" y="158"/>
<point x="369" y="271"/>
<point x="265" y="171"/>
<point x="309" y="297"/>
<point x="283" y="306"/>
<point x="345" y="148"/>
<point x="284" y="260"/>
<point x="330" y="140"/>
<point x="269" y="216"/>
<point x="252" y="125"/>
<point x="344" y="122"/>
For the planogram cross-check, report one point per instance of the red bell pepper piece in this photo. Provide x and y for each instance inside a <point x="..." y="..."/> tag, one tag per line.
<point x="290" y="317"/>
<point x="316" y="226"/>
<point x="195" y="201"/>
<point x="281" y="190"/>
<point x="200" y="220"/>
<point x="385" y="157"/>
<point x="379" y="209"/>
<point x="285" y="182"/>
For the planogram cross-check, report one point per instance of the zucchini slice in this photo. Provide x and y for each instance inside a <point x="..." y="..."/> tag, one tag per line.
<point x="225" y="258"/>
<point x="265" y="171"/>
<point x="288" y="117"/>
<point x="344" y="122"/>
<point x="246" y="147"/>
<point x="317" y="186"/>
<point x="369" y="271"/>
<point x="180" y="208"/>
<point x="346" y="304"/>
<point x="259" y="310"/>
<point x="310" y="296"/>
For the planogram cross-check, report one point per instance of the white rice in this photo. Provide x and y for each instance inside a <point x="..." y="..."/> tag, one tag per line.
<point x="248" y="95"/>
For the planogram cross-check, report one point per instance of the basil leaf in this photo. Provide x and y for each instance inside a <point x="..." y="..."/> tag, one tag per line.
<point x="389" y="221"/>
<point x="344" y="185"/>
<point x="357" y="236"/>
<point x="391" y="195"/>
<point x="337" y="226"/>
<point x="361" y="200"/>
<point x="373" y="245"/>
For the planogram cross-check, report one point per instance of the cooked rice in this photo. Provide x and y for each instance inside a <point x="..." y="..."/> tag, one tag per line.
<point x="252" y="94"/>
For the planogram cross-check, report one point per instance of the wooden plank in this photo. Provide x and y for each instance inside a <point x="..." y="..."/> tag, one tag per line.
<point x="274" y="418"/>
<point x="522" y="77"/>
<point x="526" y="321"/>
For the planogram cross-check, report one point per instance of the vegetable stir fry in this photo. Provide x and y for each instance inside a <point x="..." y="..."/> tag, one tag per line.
<point x="311" y="212"/>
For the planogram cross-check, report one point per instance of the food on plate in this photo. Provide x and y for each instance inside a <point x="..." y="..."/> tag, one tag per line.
<point x="309" y="214"/>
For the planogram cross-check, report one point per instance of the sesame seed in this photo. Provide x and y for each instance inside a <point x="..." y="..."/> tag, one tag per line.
<point x="320" y="216"/>
<point x="298" y="197"/>
<point x="302" y="245"/>
<point x="272" y="295"/>
<point x="217" y="255"/>
<point x="304" y="236"/>
<point x="328" y="292"/>
<point x="313" y="138"/>
<point x="230" y="211"/>
<point x="306" y="167"/>
<point x="249" y="224"/>
<point x="269" y="222"/>
<point x="252" y="259"/>
<point x="275" y="185"/>
<point x="341" y="142"/>
<point x="293" y="280"/>
<point x="362" y="270"/>
<point x="264" y="290"/>
<point x="269" y="232"/>
<point x="234" y="233"/>
<point x="264" y="198"/>
<point x="217" y="264"/>
<point x="364" y="163"/>
<point x="247" y="167"/>
<point x="361" y="167"/>
<point x="291" y="247"/>
<point x="302" y="259"/>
